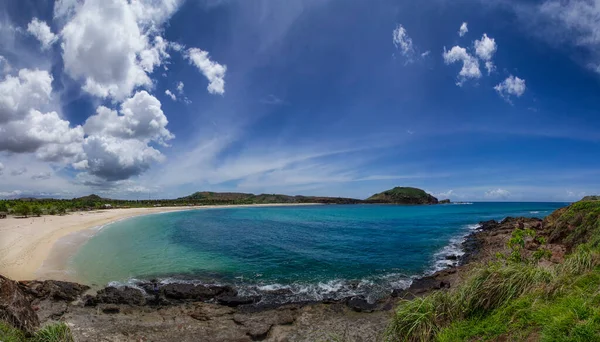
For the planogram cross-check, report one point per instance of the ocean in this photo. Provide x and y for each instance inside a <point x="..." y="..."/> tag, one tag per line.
<point x="289" y="253"/>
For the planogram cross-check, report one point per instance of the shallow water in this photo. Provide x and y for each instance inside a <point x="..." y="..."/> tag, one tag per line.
<point x="311" y="252"/>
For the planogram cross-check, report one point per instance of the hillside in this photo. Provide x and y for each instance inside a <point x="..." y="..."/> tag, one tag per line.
<point x="206" y="197"/>
<point x="542" y="287"/>
<point x="403" y="195"/>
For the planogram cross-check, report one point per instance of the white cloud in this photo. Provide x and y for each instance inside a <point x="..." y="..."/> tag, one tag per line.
<point x="141" y="118"/>
<point x="112" y="159"/>
<point x="213" y="71"/>
<point x="1" y="169"/>
<point x="470" y="68"/>
<point x="497" y="194"/>
<point x="30" y="89"/>
<point x="117" y="146"/>
<point x="485" y="49"/>
<point x="463" y="29"/>
<point x="23" y="128"/>
<point x="425" y="54"/>
<point x="171" y="95"/>
<point x="403" y="41"/>
<point x="511" y="86"/>
<point x="180" y="88"/>
<point x="10" y="194"/>
<point x="112" y="45"/>
<point x="41" y="31"/>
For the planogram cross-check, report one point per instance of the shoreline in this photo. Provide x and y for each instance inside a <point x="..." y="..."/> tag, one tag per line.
<point x="27" y="243"/>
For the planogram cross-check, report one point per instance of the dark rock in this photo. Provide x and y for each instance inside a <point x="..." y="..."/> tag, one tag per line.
<point x="234" y="301"/>
<point x="120" y="295"/>
<point x="190" y="292"/>
<point x="15" y="308"/>
<point x="53" y="289"/>
<point x="111" y="309"/>
<point x="360" y="304"/>
<point x="452" y="257"/>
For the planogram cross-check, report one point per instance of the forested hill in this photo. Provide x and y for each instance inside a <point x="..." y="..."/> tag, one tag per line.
<point x="403" y="195"/>
<point x="206" y="197"/>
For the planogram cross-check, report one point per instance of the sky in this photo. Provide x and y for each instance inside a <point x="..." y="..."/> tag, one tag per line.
<point x="471" y="100"/>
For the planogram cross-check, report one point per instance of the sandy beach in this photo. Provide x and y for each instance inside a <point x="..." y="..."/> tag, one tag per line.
<point x="25" y="243"/>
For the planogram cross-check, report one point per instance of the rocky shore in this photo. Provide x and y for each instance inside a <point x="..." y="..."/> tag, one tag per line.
<point x="190" y="312"/>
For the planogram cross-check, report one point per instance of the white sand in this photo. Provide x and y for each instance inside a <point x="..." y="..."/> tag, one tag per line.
<point x="26" y="242"/>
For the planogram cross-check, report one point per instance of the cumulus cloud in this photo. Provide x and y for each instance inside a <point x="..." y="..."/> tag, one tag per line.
<point x="180" y="86"/>
<point x="41" y="31"/>
<point x="19" y="94"/>
<point x="23" y="128"/>
<point x="112" y="45"/>
<point x="117" y="146"/>
<point x="171" y="95"/>
<point x="470" y="68"/>
<point x="444" y="195"/>
<point x="485" y="48"/>
<point x="114" y="159"/>
<point x="463" y="29"/>
<point x="213" y="71"/>
<point x="511" y="86"/>
<point x="497" y="194"/>
<point x="402" y="41"/>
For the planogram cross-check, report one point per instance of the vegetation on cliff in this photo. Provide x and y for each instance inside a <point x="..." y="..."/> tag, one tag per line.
<point x="57" y="332"/>
<point x="403" y="195"/>
<point x="521" y="296"/>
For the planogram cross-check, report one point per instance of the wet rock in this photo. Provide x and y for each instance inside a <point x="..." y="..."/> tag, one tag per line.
<point x="53" y="289"/>
<point x="120" y="295"/>
<point x="15" y="308"/>
<point x="190" y="292"/>
<point x="360" y="304"/>
<point x="234" y="301"/>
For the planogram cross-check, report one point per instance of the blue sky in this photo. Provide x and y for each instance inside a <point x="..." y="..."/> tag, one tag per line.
<point x="162" y="98"/>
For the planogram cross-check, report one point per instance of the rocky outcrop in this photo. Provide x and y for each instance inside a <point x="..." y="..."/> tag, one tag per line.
<point x="114" y="295"/>
<point x="191" y="292"/>
<point x="15" y="308"/>
<point x="53" y="289"/>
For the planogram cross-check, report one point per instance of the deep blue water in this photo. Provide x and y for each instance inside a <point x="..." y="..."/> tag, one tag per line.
<point x="313" y="251"/>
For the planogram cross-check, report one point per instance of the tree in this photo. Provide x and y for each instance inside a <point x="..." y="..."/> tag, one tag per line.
<point x="22" y="209"/>
<point x="36" y="210"/>
<point x="3" y="207"/>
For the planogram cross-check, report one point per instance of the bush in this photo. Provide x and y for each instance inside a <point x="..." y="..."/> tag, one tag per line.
<point x="22" y="209"/>
<point x="36" y="210"/>
<point x="59" y="332"/>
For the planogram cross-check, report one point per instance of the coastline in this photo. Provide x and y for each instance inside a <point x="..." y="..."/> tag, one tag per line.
<point x="27" y="243"/>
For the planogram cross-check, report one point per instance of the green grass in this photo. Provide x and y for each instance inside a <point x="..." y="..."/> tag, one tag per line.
<point x="513" y="301"/>
<point x="57" y="332"/>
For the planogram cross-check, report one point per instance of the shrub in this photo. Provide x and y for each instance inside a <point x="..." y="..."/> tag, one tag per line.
<point x="58" y="332"/>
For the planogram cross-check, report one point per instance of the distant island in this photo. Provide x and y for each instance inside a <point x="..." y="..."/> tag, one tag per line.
<point x="403" y="195"/>
<point x="30" y="206"/>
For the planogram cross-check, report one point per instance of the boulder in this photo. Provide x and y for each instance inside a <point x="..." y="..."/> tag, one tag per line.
<point x="118" y="295"/>
<point x="191" y="292"/>
<point x="360" y="304"/>
<point x="15" y="308"/>
<point x="234" y="301"/>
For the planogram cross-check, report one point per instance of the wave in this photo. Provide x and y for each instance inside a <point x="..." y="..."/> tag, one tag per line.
<point x="372" y="289"/>
<point x="450" y="255"/>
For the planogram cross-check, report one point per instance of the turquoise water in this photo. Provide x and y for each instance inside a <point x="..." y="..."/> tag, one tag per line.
<point x="310" y="251"/>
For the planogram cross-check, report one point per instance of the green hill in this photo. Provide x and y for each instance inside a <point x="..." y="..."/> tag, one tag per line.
<point x="403" y="195"/>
